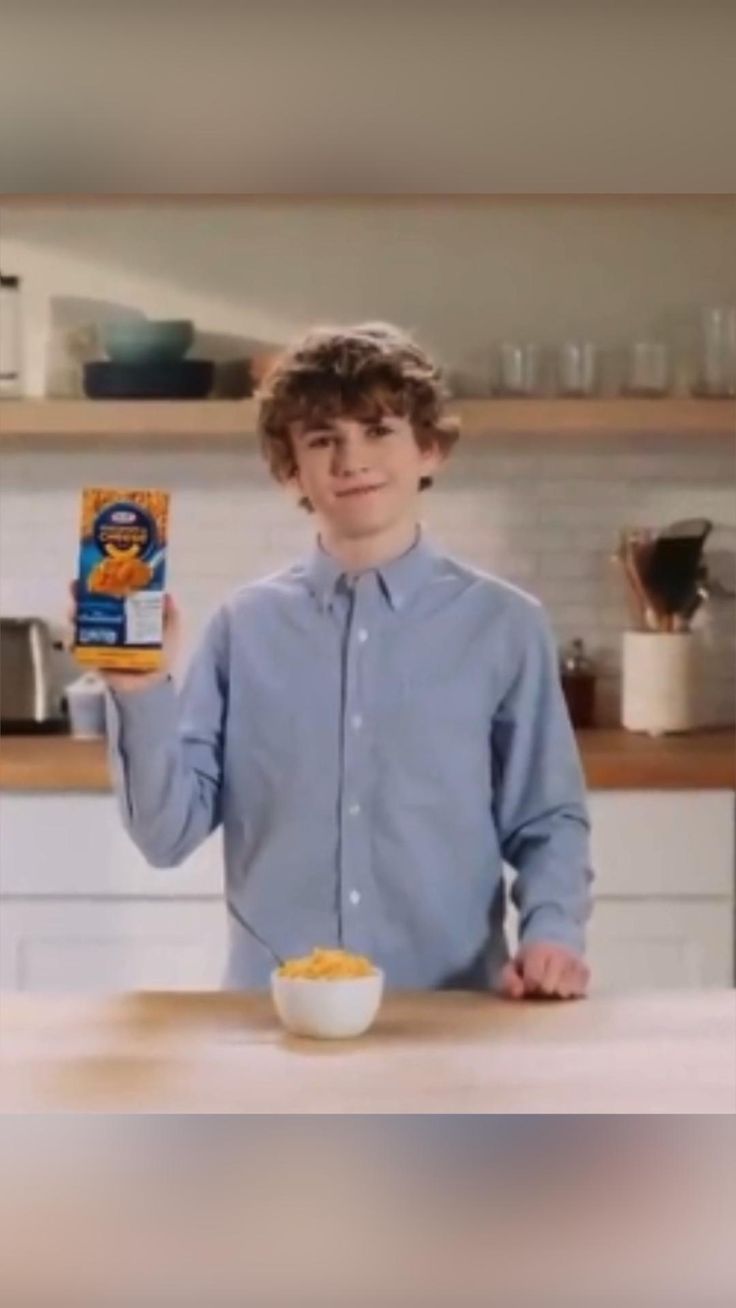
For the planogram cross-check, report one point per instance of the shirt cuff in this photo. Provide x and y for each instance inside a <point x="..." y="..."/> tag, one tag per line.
<point x="549" y="926"/>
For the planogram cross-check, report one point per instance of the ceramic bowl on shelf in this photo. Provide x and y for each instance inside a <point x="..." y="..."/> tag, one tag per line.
<point x="172" y="379"/>
<point x="327" y="1009"/>
<point x="143" y="340"/>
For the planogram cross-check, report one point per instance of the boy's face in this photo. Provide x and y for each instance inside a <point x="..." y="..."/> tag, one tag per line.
<point x="362" y="476"/>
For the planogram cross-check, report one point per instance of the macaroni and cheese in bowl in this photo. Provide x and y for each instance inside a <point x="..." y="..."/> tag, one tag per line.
<point x="329" y="994"/>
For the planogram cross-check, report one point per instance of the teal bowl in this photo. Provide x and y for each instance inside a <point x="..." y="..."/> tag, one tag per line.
<point x="141" y="340"/>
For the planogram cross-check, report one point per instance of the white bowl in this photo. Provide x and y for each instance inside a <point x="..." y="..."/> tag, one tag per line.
<point x="327" y="1010"/>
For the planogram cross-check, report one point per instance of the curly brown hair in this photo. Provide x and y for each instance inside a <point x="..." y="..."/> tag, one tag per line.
<point x="363" y="371"/>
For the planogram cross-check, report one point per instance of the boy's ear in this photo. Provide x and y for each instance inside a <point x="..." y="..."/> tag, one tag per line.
<point x="432" y="458"/>
<point x="293" y="487"/>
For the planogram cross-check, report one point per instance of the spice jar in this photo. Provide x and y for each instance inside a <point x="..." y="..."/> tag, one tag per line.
<point x="578" y="676"/>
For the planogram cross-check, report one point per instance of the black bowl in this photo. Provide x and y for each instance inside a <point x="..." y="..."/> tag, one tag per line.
<point x="175" y="379"/>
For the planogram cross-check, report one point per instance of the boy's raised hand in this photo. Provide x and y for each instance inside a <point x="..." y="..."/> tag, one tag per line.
<point x="135" y="681"/>
<point x="551" y="971"/>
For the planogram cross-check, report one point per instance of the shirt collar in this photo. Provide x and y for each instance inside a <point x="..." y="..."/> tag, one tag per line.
<point x="400" y="578"/>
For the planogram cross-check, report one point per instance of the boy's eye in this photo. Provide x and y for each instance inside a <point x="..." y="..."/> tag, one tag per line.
<point x="379" y="429"/>
<point x="318" y="442"/>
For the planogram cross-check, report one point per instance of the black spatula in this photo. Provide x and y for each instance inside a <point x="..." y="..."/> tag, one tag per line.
<point x="673" y="564"/>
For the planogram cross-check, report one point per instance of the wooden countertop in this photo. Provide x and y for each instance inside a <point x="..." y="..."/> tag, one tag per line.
<point x="448" y="1052"/>
<point x="613" y="760"/>
<point x="48" y="763"/>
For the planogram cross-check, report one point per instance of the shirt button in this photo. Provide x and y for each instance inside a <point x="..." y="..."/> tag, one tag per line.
<point x="362" y="635"/>
<point x="357" y="721"/>
<point x="354" y="810"/>
<point x="354" y="896"/>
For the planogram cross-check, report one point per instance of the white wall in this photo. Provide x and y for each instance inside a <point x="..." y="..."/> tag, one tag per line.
<point x="464" y="273"/>
<point x="544" y="514"/>
<point x="314" y="95"/>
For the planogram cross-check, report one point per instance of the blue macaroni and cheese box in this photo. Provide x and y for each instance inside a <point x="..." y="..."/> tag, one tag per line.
<point x="121" y="579"/>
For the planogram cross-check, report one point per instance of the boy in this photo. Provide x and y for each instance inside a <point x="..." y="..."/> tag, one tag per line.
<point x="376" y="728"/>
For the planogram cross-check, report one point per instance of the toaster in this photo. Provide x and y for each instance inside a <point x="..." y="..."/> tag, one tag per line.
<point x="29" y="700"/>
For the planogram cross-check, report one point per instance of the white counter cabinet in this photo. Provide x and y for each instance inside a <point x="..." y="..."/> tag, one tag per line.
<point x="81" y="910"/>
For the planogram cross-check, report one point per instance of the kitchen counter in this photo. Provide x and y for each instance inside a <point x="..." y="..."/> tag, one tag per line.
<point x="613" y="760"/>
<point x="445" y="1052"/>
<point x="52" y="763"/>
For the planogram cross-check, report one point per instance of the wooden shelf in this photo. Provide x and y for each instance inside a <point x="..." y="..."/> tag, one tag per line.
<point x="193" y="420"/>
<point x="123" y="419"/>
<point x="673" y="416"/>
<point x="613" y="760"/>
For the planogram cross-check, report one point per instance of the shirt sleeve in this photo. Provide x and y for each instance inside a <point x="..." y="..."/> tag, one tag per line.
<point x="539" y="798"/>
<point x="165" y="754"/>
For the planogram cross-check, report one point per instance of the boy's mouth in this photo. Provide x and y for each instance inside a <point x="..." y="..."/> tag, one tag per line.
<point x="357" y="491"/>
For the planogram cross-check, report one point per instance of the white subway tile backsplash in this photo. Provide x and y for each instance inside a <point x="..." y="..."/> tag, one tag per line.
<point x="546" y="520"/>
<point x="565" y="564"/>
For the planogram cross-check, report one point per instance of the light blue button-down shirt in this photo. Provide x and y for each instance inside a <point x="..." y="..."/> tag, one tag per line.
<point x="375" y="749"/>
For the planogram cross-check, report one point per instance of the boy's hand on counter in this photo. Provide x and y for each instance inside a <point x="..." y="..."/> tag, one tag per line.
<point x="551" y="971"/>
<point x="136" y="681"/>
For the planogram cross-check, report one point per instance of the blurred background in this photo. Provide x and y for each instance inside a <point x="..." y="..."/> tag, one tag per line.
<point x="402" y="1212"/>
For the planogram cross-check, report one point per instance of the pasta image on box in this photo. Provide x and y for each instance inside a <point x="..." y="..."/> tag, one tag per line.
<point x="121" y="579"/>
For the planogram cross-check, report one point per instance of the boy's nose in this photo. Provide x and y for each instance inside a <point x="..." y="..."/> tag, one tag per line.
<point x="349" y="459"/>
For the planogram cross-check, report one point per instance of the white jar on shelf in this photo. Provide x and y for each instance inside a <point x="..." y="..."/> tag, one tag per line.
<point x="11" y="346"/>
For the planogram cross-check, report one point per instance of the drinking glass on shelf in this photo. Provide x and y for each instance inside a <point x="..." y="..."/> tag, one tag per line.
<point x="519" y="368"/>
<point x="648" y="369"/>
<point x="577" y="368"/>
<point x="718" y="360"/>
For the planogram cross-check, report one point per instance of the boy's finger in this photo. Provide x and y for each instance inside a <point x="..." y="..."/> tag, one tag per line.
<point x="567" y="986"/>
<point x="573" y="981"/>
<point x="510" y="983"/>
<point x="532" y="968"/>
<point x="172" y="626"/>
<point x="554" y="969"/>
<point x="578" y="976"/>
<point x="71" y="613"/>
